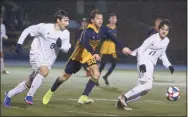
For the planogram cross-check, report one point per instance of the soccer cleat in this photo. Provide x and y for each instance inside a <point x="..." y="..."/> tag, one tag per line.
<point x="97" y="84"/>
<point x="5" y="72"/>
<point x="47" y="97"/>
<point x="106" y="80"/>
<point x="85" y="100"/>
<point x="29" y="100"/>
<point x="7" y="100"/>
<point x="121" y="99"/>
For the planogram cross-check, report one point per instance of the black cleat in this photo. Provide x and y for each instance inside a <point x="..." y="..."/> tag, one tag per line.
<point x="106" y="80"/>
<point x="97" y="84"/>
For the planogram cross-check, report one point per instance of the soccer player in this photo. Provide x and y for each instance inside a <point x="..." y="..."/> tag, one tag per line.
<point x="85" y="54"/>
<point x="147" y="54"/>
<point x="3" y="36"/>
<point x="108" y="49"/>
<point x="83" y="26"/>
<point x="49" y="39"/>
<point x="155" y="28"/>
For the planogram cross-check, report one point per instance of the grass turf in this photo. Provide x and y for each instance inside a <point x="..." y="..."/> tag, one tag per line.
<point x="64" y="101"/>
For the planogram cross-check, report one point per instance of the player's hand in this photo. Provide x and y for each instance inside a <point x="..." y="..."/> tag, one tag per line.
<point x="97" y="57"/>
<point x="142" y="68"/>
<point x="18" y="48"/>
<point x="126" y="51"/>
<point x="59" y="43"/>
<point x="171" y="68"/>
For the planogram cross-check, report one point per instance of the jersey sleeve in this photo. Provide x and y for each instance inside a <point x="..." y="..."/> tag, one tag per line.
<point x="112" y="37"/>
<point x="66" y="43"/>
<point x="146" y="44"/>
<point x="33" y="30"/>
<point x="85" y="41"/>
<point x="164" y="58"/>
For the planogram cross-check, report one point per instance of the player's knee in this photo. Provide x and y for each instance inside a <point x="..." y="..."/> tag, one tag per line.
<point x="96" y="74"/>
<point x="64" y="77"/>
<point x="44" y="71"/>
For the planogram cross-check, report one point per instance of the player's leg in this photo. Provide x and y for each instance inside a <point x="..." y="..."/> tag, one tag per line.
<point x="102" y="63"/>
<point x="21" y="87"/>
<point x="94" y="70"/>
<point x="37" y="81"/>
<point x="87" y="72"/>
<point x="144" y="85"/>
<point x="71" y="67"/>
<point x="2" y="65"/>
<point x="110" y="70"/>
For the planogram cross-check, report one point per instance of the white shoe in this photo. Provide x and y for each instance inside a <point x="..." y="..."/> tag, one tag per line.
<point x="121" y="99"/>
<point x="5" y="72"/>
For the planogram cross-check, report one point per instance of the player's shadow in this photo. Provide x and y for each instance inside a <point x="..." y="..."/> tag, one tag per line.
<point x="20" y="105"/>
<point x="111" y="89"/>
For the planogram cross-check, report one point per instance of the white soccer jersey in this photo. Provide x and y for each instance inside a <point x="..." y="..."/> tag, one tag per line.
<point x="43" y="49"/>
<point x="153" y="48"/>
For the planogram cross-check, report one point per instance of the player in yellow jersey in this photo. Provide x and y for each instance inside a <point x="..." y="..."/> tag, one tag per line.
<point x="85" y="54"/>
<point x="108" y="49"/>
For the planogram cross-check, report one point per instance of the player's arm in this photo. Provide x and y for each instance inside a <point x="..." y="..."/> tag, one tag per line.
<point x="165" y="60"/>
<point x="65" y="43"/>
<point x="85" y="41"/>
<point x="33" y="30"/>
<point x="109" y="35"/>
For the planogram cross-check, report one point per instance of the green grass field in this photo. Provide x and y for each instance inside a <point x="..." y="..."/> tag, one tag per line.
<point x="64" y="101"/>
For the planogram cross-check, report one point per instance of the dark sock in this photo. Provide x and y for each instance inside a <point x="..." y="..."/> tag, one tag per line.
<point x="56" y="84"/>
<point x="89" y="86"/>
<point x="102" y="64"/>
<point x="110" y="70"/>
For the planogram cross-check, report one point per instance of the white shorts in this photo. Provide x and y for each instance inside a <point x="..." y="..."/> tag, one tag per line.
<point x="148" y="75"/>
<point x="37" y="60"/>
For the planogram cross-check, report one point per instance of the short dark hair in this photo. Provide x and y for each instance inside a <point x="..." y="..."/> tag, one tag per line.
<point x="60" y="14"/>
<point x="93" y="14"/>
<point x="165" y="22"/>
<point x="112" y="14"/>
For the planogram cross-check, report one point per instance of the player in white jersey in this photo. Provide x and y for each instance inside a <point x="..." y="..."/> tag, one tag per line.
<point x="3" y="36"/>
<point x="49" y="39"/>
<point x="154" y="47"/>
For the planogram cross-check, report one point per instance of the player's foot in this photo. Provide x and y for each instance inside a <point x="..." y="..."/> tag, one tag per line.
<point x="29" y="100"/>
<point x="47" y="97"/>
<point x="97" y="84"/>
<point x="7" y="100"/>
<point x="85" y="100"/>
<point x="5" y="72"/>
<point x="122" y="100"/>
<point x="88" y="74"/>
<point x="106" y="80"/>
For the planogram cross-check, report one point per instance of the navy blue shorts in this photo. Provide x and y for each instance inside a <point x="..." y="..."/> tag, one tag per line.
<point x="72" y="66"/>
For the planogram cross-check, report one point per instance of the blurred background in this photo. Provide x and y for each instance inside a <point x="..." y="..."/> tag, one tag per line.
<point x="135" y="18"/>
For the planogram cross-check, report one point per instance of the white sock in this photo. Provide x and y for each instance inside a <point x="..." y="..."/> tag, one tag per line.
<point x="132" y="100"/>
<point x="37" y="81"/>
<point x="2" y="64"/>
<point x="134" y="93"/>
<point x="18" y="89"/>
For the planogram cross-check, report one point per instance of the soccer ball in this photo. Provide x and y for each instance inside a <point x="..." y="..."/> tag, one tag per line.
<point x="172" y="93"/>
